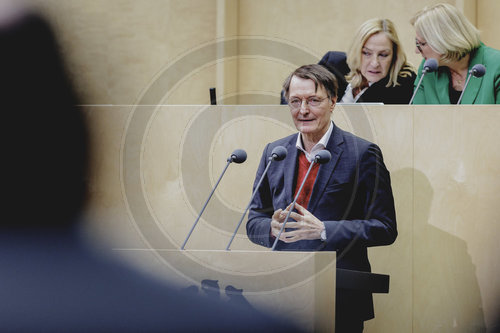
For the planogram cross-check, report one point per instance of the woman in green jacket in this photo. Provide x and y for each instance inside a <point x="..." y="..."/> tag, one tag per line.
<point x="445" y="34"/>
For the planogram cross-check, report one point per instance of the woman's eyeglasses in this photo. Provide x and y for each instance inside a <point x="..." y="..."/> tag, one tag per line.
<point x="419" y="45"/>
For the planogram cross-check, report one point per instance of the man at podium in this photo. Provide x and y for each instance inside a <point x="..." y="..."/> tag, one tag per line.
<point x="343" y="205"/>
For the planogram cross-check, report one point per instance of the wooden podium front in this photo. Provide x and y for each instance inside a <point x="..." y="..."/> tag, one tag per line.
<point x="295" y="285"/>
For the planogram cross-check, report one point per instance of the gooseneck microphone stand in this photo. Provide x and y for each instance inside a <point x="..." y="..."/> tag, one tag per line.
<point x="238" y="156"/>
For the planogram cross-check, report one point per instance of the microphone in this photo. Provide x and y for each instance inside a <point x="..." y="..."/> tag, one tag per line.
<point x="430" y="65"/>
<point x="477" y="70"/>
<point x="321" y="157"/>
<point x="237" y="156"/>
<point x="277" y="154"/>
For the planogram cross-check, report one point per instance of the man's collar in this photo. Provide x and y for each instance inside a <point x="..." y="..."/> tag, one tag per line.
<point x="318" y="146"/>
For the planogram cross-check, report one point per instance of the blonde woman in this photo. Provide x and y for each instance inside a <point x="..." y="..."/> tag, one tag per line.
<point x="379" y="70"/>
<point x="444" y="33"/>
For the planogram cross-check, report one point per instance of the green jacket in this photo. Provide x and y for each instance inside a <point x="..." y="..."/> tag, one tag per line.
<point x="483" y="90"/>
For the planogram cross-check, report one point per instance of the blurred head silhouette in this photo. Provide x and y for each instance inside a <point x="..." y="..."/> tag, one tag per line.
<point x="44" y="137"/>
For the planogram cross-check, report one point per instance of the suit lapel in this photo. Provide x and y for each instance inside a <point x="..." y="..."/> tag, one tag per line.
<point x="289" y="165"/>
<point x="474" y="82"/>
<point x="326" y="170"/>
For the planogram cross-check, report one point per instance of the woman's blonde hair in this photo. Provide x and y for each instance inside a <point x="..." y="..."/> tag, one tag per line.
<point x="447" y="31"/>
<point x="399" y="65"/>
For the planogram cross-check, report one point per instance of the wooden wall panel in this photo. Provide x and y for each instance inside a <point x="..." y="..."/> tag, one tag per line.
<point x="444" y="169"/>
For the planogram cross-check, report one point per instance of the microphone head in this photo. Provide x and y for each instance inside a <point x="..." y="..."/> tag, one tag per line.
<point x="238" y="156"/>
<point x="430" y="65"/>
<point x="278" y="153"/>
<point x="322" y="156"/>
<point x="478" y="70"/>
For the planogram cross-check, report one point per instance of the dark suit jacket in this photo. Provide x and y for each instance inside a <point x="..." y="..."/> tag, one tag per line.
<point x="352" y="195"/>
<point x="379" y="93"/>
<point x="336" y="62"/>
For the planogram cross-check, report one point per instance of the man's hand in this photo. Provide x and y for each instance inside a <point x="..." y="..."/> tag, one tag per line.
<point x="306" y="225"/>
<point x="277" y="221"/>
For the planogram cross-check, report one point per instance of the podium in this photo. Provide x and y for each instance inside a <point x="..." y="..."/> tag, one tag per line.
<point x="299" y="286"/>
<point x="295" y="285"/>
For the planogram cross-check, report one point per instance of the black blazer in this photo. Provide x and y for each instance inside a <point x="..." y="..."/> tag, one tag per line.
<point x="379" y="93"/>
<point x="352" y="195"/>
<point x="336" y="62"/>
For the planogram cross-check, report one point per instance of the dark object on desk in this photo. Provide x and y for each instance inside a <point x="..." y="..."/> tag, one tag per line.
<point x="213" y="97"/>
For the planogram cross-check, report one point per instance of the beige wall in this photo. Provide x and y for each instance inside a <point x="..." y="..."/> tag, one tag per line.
<point x="153" y="175"/>
<point x="487" y="14"/>
<point x="118" y="49"/>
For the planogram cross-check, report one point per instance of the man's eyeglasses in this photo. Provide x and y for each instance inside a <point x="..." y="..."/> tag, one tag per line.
<point x="419" y="45"/>
<point x="296" y="103"/>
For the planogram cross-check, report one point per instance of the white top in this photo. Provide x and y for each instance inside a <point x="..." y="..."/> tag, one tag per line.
<point x="348" y="96"/>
